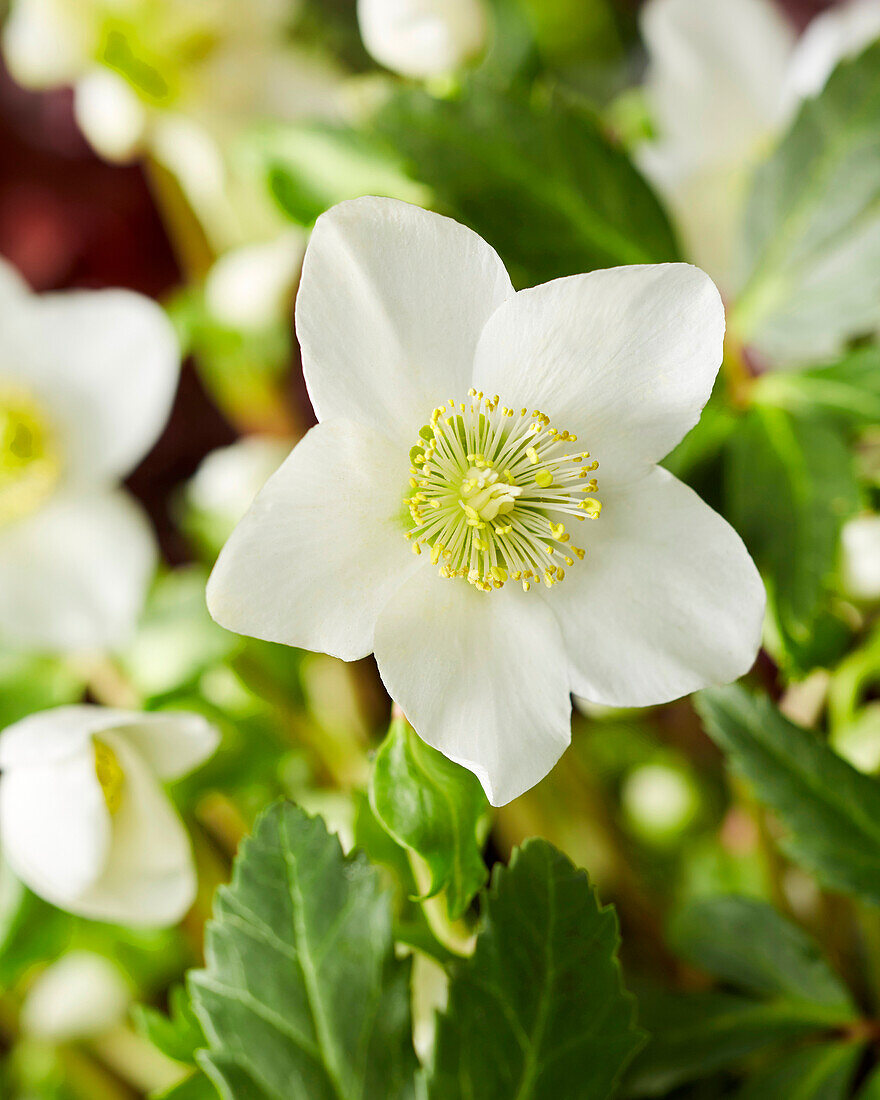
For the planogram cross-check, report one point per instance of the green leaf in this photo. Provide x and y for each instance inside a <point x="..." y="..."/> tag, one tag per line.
<point x="433" y="806"/>
<point x="178" y="1035"/>
<point x="811" y="228"/>
<point x="195" y="1087"/>
<point x="831" y="811"/>
<point x="849" y="388"/>
<point x="310" y="168"/>
<point x="821" y="1072"/>
<point x="540" y="181"/>
<point x="302" y="997"/>
<point x="539" y="1010"/>
<point x="29" y="683"/>
<point x="693" y="1035"/>
<point x="871" y="1088"/>
<point x="791" y="484"/>
<point x="745" y="942"/>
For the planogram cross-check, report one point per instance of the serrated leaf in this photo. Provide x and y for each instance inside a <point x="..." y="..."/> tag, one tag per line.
<point x="539" y="1010"/>
<point x="433" y="806"/>
<point x="820" y="1072"/>
<point x="811" y="227"/>
<point x="830" y="810"/>
<point x="791" y="484"/>
<point x="696" y="1034"/>
<point x="745" y="942"/>
<point x="539" y="180"/>
<point x="302" y="997"/>
<point x="195" y="1087"/>
<point x="177" y="1035"/>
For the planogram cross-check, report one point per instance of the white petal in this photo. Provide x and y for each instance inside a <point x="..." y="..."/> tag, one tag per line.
<point x="172" y="743"/>
<point x="322" y="547"/>
<point x="56" y="734"/>
<point x="666" y="601"/>
<point x="13" y="289"/>
<point x="106" y="364"/>
<point x="706" y="203"/>
<point x="716" y="73"/>
<point x="79" y="996"/>
<point x="625" y="358"/>
<point x="149" y="876"/>
<point x="390" y="308"/>
<point x="840" y="32"/>
<point x="74" y="574"/>
<point x="46" y="42"/>
<point x="422" y="38"/>
<point x="481" y="676"/>
<point x="110" y="114"/>
<point x="55" y="826"/>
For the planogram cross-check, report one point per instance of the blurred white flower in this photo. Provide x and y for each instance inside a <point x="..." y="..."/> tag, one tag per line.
<point x="80" y="996"/>
<point x="423" y="38"/>
<point x="406" y="319"/>
<point x="229" y="478"/>
<point x="860" y="558"/>
<point x="723" y="80"/>
<point x="251" y="287"/>
<point x="84" y="821"/>
<point x="86" y="383"/>
<point x="179" y="78"/>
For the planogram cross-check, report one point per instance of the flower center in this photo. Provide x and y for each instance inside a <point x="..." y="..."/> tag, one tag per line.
<point x="492" y="491"/>
<point x="29" y="464"/>
<point x="110" y="774"/>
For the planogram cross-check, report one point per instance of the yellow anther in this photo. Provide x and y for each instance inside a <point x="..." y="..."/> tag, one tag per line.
<point x="110" y="774"/>
<point x="481" y="494"/>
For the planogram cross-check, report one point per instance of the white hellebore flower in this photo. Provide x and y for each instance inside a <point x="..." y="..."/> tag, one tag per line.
<point x="724" y="78"/>
<point x="80" y="996"/>
<point x="423" y="38"/>
<point x="432" y="516"/>
<point x="86" y="383"/>
<point x="84" y="821"/>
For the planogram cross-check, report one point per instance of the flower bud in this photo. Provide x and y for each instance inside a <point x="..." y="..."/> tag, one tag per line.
<point x="423" y="38"/>
<point x="79" y="996"/>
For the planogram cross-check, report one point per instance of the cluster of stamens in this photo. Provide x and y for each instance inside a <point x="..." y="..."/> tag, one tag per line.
<point x="492" y="491"/>
<point x="29" y="464"/>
